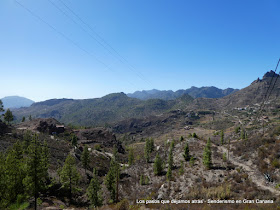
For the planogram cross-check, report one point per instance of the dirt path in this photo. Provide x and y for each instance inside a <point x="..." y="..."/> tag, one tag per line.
<point x="255" y="176"/>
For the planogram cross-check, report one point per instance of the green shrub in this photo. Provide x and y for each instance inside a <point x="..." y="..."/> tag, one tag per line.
<point x="275" y="163"/>
<point x="97" y="147"/>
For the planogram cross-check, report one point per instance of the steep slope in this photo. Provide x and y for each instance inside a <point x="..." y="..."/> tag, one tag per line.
<point x="254" y="93"/>
<point x="203" y="92"/>
<point x="16" y="102"/>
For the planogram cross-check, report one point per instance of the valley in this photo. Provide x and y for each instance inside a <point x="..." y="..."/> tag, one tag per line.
<point x="202" y="153"/>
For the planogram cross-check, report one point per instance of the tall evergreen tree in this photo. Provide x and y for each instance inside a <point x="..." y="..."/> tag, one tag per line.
<point x="181" y="170"/>
<point x="45" y="155"/>
<point x="158" y="166"/>
<point x="14" y="174"/>
<point x="186" y="152"/>
<point x="172" y="145"/>
<point x="93" y="190"/>
<point x="85" y="157"/>
<point x="2" y="181"/>
<point x="36" y="168"/>
<point x="8" y="116"/>
<point x="169" y="173"/>
<point x="142" y="179"/>
<point x="222" y="137"/>
<point x="111" y="179"/>
<point x="23" y="119"/>
<point x="74" y="140"/>
<point x="130" y="156"/>
<point x="207" y="160"/>
<point x="242" y="134"/>
<point x="147" y="150"/>
<point x="1" y="106"/>
<point x="170" y="158"/>
<point x="152" y="145"/>
<point x="27" y="138"/>
<point x="170" y="161"/>
<point x="69" y="175"/>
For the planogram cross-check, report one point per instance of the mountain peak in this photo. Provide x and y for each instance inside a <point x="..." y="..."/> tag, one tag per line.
<point x="270" y="73"/>
<point x="16" y="102"/>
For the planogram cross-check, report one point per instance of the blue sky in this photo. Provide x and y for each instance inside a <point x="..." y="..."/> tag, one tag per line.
<point x="47" y="51"/>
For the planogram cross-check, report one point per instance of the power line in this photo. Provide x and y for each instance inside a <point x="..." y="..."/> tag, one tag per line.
<point x="66" y="37"/>
<point x="266" y="97"/>
<point x="115" y="54"/>
<point x="275" y="79"/>
<point x="64" y="13"/>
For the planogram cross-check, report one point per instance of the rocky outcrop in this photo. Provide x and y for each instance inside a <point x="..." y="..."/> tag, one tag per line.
<point x="48" y="125"/>
<point x="270" y="74"/>
<point x="99" y="136"/>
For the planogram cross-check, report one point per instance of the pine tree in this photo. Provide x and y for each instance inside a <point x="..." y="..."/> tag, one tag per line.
<point x="170" y="158"/>
<point x="195" y="135"/>
<point x="186" y="152"/>
<point x="147" y="180"/>
<point x="23" y="119"/>
<point x="242" y="134"/>
<point x="142" y="179"/>
<point x="74" y="140"/>
<point x="115" y="154"/>
<point x="2" y="180"/>
<point x="130" y="157"/>
<point x="46" y="154"/>
<point x="207" y="161"/>
<point x="1" y="106"/>
<point x="192" y="161"/>
<point x="111" y="179"/>
<point x="69" y="175"/>
<point x="222" y="137"/>
<point x="36" y="168"/>
<point x="181" y="138"/>
<point x="181" y="170"/>
<point x="172" y="145"/>
<point x="224" y="157"/>
<point x="27" y="138"/>
<point x="237" y="129"/>
<point x="152" y="145"/>
<point x="8" y="116"/>
<point x="30" y="118"/>
<point x="147" y="151"/>
<point x="158" y="165"/>
<point x="93" y="190"/>
<point x="246" y="137"/>
<point x="169" y="173"/>
<point x="170" y="161"/>
<point x="13" y="174"/>
<point x="85" y="157"/>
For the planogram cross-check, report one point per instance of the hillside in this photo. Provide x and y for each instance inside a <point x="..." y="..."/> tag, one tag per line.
<point x="203" y="92"/>
<point x="118" y="106"/>
<point x="254" y="93"/>
<point x="16" y="102"/>
<point x="108" y="109"/>
<point x="244" y="160"/>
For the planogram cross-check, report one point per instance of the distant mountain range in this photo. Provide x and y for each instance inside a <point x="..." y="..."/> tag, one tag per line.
<point x="16" y="102"/>
<point x="118" y="106"/>
<point x="108" y="109"/>
<point x="203" y="92"/>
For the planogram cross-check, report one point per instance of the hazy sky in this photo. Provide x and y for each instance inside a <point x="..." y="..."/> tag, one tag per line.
<point x="89" y="48"/>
